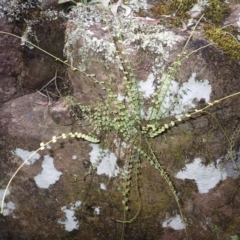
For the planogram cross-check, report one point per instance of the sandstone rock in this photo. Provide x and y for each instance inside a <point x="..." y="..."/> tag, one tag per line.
<point x="27" y="117"/>
<point x="10" y="64"/>
<point x="60" y="112"/>
<point x="233" y="18"/>
<point x="37" y="72"/>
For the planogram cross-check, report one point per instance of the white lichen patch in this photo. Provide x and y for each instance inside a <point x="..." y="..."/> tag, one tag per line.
<point x="8" y="207"/>
<point x="181" y="99"/>
<point x="71" y="222"/>
<point x="147" y="87"/>
<point x="74" y="157"/>
<point x="195" y="90"/>
<point x="174" y="222"/>
<point x="103" y="186"/>
<point x="122" y="98"/>
<point x="97" y="210"/>
<point x="49" y="174"/>
<point x="206" y="177"/>
<point x="104" y="160"/>
<point x="24" y="154"/>
<point x="137" y="5"/>
<point x="199" y="6"/>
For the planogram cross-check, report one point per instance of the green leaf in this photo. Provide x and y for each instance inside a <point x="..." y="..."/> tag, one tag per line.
<point x="63" y="1"/>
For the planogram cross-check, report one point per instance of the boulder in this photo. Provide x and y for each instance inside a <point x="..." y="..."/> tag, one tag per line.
<point x="136" y="92"/>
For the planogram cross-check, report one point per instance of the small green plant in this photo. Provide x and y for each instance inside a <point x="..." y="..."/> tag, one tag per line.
<point x="235" y="237"/>
<point x="215" y="229"/>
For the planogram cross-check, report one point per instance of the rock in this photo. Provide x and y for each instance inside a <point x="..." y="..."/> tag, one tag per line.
<point x="234" y="17"/>
<point x="201" y="123"/>
<point x="201" y="79"/>
<point x="21" y="66"/>
<point x="37" y="72"/>
<point x="49" y="3"/>
<point x="27" y="117"/>
<point x="60" y="112"/>
<point x="38" y="67"/>
<point x="10" y="64"/>
<point x="86" y="40"/>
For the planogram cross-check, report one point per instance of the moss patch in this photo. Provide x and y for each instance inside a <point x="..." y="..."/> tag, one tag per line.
<point x="217" y="11"/>
<point x="170" y="7"/>
<point x="225" y="41"/>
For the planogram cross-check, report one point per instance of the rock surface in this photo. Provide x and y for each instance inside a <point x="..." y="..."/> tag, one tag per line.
<point x="10" y="64"/>
<point x="61" y="112"/>
<point x="80" y="204"/>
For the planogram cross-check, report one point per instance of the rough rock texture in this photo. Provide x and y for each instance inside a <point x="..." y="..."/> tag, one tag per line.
<point x="234" y="17"/>
<point x="28" y="120"/>
<point x="10" y="64"/>
<point x="49" y="3"/>
<point x="23" y="67"/>
<point x="39" y="68"/>
<point x="29" y="116"/>
<point x="145" y="45"/>
<point x="61" y="112"/>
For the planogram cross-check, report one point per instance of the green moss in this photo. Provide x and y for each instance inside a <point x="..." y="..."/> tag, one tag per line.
<point x="225" y="41"/>
<point x="217" y="11"/>
<point x="177" y="7"/>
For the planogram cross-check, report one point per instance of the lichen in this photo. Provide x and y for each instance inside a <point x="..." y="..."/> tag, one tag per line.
<point x="29" y="15"/>
<point x="155" y="40"/>
<point x="137" y="5"/>
<point x="16" y="10"/>
<point x="99" y="33"/>
<point x="83" y="18"/>
<point x="199" y="6"/>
